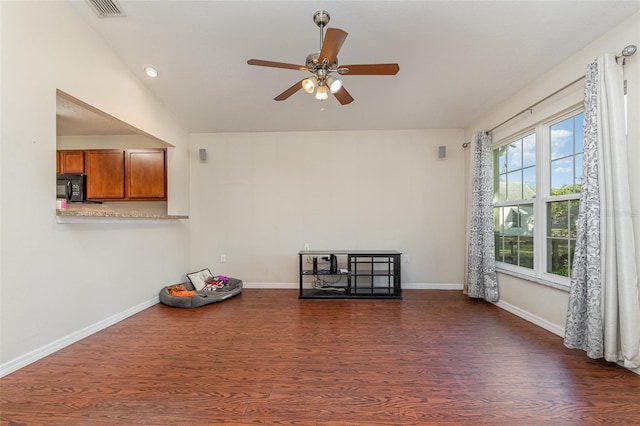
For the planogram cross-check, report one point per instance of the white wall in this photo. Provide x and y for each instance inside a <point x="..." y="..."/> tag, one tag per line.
<point x="58" y="280"/>
<point x="545" y="305"/>
<point x="259" y="197"/>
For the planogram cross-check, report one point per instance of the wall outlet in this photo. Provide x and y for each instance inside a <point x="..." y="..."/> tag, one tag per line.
<point x="223" y="258"/>
<point x="306" y="247"/>
<point x="406" y="258"/>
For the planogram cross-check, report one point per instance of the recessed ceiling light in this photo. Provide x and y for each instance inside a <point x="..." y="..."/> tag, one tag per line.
<point x="151" y="71"/>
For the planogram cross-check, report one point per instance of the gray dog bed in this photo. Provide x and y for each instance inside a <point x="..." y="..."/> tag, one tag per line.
<point x="202" y="297"/>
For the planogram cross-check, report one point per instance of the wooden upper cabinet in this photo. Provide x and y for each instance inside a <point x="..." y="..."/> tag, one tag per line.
<point x="105" y="174"/>
<point x="70" y="162"/>
<point x="146" y="174"/>
<point x="118" y="174"/>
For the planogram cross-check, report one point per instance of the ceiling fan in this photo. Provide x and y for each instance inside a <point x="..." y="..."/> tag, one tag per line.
<point x="323" y="64"/>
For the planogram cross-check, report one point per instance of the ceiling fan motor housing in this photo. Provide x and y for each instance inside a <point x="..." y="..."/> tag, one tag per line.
<point x="320" y="70"/>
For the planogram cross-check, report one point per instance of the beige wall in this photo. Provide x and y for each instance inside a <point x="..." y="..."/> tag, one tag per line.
<point x="108" y="142"/>
<point x="60" y="281"/>
<point x="537" y="302"/>
<point x="259" y="197"/>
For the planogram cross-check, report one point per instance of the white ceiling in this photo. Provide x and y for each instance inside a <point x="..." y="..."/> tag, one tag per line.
<point x="457" y="58"/>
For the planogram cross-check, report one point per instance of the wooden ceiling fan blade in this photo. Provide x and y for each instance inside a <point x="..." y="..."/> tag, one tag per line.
<point x="261" y="63"/>
<point x="290" y="91"/>
<point x="333" y="40"/>
<point x="369" y="69"/>
<point x="343" y="96"/>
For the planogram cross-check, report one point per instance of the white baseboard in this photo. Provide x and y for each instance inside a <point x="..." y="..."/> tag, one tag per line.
<point x="410" y="286"/>
<point x="288" y="286"/>
<point x="540" y="322"/>
<point x="35" y="355"/>
<point x="431" y="286"/>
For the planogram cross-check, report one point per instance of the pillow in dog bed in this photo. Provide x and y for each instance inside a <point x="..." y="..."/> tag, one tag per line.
<point x="199" y="278"/>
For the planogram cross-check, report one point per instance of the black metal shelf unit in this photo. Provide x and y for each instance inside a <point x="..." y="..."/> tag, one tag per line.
<point x="342" y="274"/>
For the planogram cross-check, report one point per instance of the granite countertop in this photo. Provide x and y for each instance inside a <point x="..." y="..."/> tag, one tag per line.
<point x="119" y="210"/>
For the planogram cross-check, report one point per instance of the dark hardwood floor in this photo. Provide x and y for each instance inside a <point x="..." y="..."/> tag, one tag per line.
<point x="265" y="357"/>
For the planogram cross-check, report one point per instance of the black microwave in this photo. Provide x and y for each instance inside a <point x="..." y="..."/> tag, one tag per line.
<point x="71" y="187"/>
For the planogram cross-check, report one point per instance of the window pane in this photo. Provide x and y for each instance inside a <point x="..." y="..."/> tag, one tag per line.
<point x="497" y="219"/>
<point x="498" y="230"/>
<point x="510" y="250"/>
<point x="562" y="139"/>
<point x="558" y="256"/>
<point x="518" y="220"/>
<point x="579" y="123"/>
<point x="514" y="155"/>
<point x="514" y="185"/>
<point x="514" y="234"/>
<point x="578" y="173"/>
<point x="529" y="151"/>
<point x="499" y="248"/>
<point x="558" y="219"/>
<point x="526" y="252"/>
<point x="529" y="186"/>
<point x="511" y="222"/>
<point x="500" y="191"/>
<point x="562" y="176"/>
<point x="574" y="209"/>
<point x="500" y="159"/>
<point x="572" y="249"/>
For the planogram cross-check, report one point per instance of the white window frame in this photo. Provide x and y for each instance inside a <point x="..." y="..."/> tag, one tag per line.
<point x="543" y="196"/>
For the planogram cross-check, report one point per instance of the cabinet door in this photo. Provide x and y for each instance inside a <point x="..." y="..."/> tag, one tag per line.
<point x="105" y="174"/>
<point x="146" y="176"/>
<point x="71" y="161"/>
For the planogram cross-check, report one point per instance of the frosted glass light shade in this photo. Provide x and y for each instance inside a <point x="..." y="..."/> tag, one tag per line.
<point x="335" y="84"/>
<point x="321" y="93"/>
<point x="309" y="85"/>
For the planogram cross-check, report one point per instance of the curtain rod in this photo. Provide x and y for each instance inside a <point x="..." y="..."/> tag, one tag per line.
<point x="627" y="51"/>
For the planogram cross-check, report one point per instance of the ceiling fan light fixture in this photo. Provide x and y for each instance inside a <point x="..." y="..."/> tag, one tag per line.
<point x="335" y="84"/>
<point x="323" y="63"/>
<point x="321" y="93"/>
<point x="309" y="84"/>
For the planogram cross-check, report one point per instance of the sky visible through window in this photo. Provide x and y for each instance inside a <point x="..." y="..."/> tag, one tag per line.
<point x="566" y="152"/>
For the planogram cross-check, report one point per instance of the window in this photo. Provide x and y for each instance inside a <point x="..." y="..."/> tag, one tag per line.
<point x="565" y="173"/>
<point x="514" y="190"/>
<point x="537" y="177"/>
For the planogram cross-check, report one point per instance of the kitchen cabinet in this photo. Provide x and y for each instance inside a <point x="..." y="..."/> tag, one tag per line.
<point x="70" y="161"/>
<point x="146" y="174"/>
<point x="118" y="174"/>
<point x="105" y="174"/>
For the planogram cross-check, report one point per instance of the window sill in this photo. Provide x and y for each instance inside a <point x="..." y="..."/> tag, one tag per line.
<point x="536" y="280"/>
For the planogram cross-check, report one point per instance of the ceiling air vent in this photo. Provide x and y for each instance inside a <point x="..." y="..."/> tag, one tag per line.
<point x="107" y="8"/>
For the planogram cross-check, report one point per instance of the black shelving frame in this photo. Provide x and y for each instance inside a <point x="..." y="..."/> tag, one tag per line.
<point x="373" y="274"/>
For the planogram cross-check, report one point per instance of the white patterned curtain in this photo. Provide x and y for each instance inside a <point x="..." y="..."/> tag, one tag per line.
<point x="482" y="282"/>
<point x="603" y="318"/>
